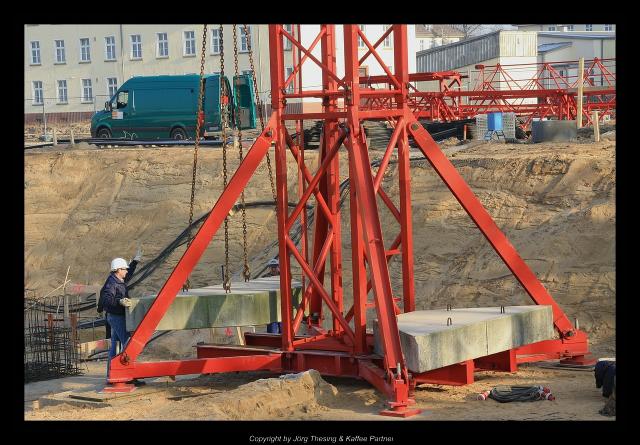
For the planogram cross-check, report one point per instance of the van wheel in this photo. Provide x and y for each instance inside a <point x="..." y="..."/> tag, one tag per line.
<point x="104" y="133"/>
<point x="178" y="133"/>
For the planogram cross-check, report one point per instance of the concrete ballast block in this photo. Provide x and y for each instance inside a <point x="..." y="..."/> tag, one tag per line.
<point x="550" y="131"/>
<point x="428" y="343"/>
<point x="251" y="303"/>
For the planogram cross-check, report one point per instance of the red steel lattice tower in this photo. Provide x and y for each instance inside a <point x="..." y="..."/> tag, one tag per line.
<point x="346" y="349"/>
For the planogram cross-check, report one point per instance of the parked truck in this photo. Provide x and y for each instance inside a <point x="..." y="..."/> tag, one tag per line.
<point x="161" y="107"/>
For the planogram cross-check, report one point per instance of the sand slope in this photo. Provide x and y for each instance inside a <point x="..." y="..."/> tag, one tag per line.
<point x="555" y="202"/>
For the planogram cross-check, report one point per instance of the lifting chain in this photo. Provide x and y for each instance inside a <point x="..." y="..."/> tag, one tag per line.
<point x="247" y="34"/>
<point x="199" y="122"/>
<point x="224" y="100"/>
<point x="246" y="272"/>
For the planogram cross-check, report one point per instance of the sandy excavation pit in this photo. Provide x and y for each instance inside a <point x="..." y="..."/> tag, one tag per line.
<point x="555" y="202"/>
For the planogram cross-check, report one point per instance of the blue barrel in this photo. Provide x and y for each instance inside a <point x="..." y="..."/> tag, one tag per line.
<point x="494" y="122"/>
<point x="274" y="328"/>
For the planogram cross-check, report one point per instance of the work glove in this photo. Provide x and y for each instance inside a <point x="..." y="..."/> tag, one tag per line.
<point x="138" y="255"/>
<point x="126" y="302"/>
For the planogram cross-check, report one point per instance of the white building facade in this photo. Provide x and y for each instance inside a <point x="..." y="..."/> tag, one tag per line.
<point x="500" y="47"/>
<point x="312" y="74"/>
<point x="76" y="68"/>
<point x="430" y="36"/>
<point x="562" y="49"/>
<point x="569" y="28"/>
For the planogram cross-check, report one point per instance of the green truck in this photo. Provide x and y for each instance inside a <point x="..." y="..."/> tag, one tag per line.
<point x="165" y="107"/>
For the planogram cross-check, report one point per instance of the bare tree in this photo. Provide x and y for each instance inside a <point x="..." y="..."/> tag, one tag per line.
<point x="468" y="30"/>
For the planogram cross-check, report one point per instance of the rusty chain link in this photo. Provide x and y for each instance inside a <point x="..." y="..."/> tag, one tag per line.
<point x="246" y="271"/>
<point x="247" y="34"/>
<point x="224" y="98"/>
<point x="199" y="122"/>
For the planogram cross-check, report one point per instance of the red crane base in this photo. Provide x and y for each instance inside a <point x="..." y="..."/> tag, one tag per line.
<point x="580" y="360"/>
<point x="119" y="387"/>
<point x="401" y="410"/>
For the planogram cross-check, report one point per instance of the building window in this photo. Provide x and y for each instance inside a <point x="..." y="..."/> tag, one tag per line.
<point x="163" y="45"/>
<point x="244" y="44"/>
<point x="421" y="44"/>
<point x="37" y="92"/>
<point x="110" y="48"/>
<point x="136" y="46"/>
<point x="62" y="92"/>
<point x="60" y="56"/>
<point x="290" y="87"/>
<point x="286" y="43"/>
<point x="360" y="41"/>
<point x="189" y="43"/>
<point x="588" y="27"/>
<point x="608" y="27"/>
<point x="35" y="53"/>
<point x="571" y="28"/>
<point x="552" y="28"/>
<point x="215" y="41"/>
<point x="387" y="40"/>
<point x="85" y="52"/>
<point x="87" y="91"/>
<point x="112" y="85"/>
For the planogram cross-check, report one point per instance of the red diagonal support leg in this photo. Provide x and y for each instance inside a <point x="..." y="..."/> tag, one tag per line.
<point x="124" y="362"/>
<point x="374" y="247"/>
<point x="572" y="342"/>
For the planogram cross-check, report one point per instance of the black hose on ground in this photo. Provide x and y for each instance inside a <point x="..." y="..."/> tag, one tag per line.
<point x="505" y="394"/>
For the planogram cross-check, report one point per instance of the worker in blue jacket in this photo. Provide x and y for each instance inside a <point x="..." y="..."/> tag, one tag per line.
<point x="114" y="298"/>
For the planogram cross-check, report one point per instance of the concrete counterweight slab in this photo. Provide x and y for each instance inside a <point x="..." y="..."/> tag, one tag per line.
<point x="251" y="303"/>
<point x="428" y="343"/>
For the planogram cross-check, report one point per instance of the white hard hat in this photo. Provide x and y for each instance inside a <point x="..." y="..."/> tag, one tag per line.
<point x="119" y="263"/>
<point x="273" y="262"/>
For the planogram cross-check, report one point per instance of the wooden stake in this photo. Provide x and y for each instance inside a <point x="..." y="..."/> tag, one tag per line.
<point x="240" y="336"/>
<point x="66" y="298"/>
<point x="212" y="331"/>
<point x="55" y="137"/>
<point x="580" y="91"/>
<point x="596" y="126"/>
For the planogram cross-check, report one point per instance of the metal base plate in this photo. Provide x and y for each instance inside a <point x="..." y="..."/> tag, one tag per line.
<point x="579" y="360"/>
<point x="119" y="388"/>
<point x="400" y="413"/>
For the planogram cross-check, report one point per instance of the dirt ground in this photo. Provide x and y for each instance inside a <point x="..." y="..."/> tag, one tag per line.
<point x="264" y="396"/>
<point x="555" y="202"/>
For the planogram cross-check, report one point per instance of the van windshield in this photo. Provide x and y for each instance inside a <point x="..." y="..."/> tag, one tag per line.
<point x="121" y="99"/>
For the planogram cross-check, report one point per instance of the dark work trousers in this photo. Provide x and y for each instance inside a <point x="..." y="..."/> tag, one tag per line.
<point x="118" y="334"/>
